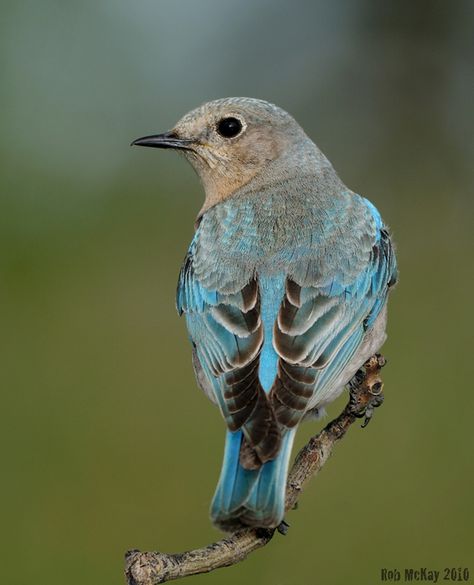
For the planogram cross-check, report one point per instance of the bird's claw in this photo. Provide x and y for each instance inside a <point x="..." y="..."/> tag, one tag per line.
<point x="366" y="389"/>
<point x="283" y="528"/>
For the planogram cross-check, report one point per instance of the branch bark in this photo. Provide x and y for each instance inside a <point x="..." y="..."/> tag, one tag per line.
<point x="151" y="568"/>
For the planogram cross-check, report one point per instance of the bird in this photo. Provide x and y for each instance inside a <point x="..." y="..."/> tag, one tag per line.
<point x="284" y="290"/>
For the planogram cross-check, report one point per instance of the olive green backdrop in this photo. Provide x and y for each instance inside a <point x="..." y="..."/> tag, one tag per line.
<point x="106" y="443"/>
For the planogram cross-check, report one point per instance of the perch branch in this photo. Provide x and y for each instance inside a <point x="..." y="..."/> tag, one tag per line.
<point x="151" y="568"/>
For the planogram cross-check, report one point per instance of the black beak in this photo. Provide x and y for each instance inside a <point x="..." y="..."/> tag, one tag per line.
<point x="165" y="140"/>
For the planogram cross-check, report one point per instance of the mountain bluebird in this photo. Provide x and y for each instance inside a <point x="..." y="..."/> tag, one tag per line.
<point x="284" y="289"/>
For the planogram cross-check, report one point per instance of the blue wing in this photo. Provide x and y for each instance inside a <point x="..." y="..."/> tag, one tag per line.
<point x="319" y="329"/>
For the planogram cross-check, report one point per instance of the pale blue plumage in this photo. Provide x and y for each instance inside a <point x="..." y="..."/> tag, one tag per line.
<point x="272" y="290"/>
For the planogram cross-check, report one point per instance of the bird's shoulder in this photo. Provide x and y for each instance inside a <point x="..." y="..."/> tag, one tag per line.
<point x="313" y="237"/>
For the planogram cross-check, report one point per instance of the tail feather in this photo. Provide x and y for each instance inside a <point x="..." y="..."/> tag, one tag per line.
<point x="251" y="497"/>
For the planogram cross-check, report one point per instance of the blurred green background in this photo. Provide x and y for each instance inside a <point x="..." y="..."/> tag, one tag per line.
<point x="106" y="444"/>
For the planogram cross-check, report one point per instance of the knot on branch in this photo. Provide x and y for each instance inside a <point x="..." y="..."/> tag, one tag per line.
<point x="147" y="568"/>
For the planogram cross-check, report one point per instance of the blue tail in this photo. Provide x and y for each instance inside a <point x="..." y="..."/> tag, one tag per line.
<point x="251" y="497"/>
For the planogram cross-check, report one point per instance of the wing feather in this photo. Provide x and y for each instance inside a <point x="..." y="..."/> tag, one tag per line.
<point x="227" y="335"/>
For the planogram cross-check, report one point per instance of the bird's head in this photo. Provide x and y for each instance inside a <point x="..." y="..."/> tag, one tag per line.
<point x="232" y="141"/>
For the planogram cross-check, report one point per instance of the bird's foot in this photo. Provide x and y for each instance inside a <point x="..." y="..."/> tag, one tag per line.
<point x="366" y="389"/>
<point x="283" y="528"/>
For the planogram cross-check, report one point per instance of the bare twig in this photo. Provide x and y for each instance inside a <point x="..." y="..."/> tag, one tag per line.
<point x="151" y="568"/>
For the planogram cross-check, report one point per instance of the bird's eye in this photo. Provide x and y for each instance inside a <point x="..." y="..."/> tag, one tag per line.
<point x="229" y="127"/>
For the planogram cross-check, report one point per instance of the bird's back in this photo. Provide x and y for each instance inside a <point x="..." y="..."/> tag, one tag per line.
<point x="290" y="229"/>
